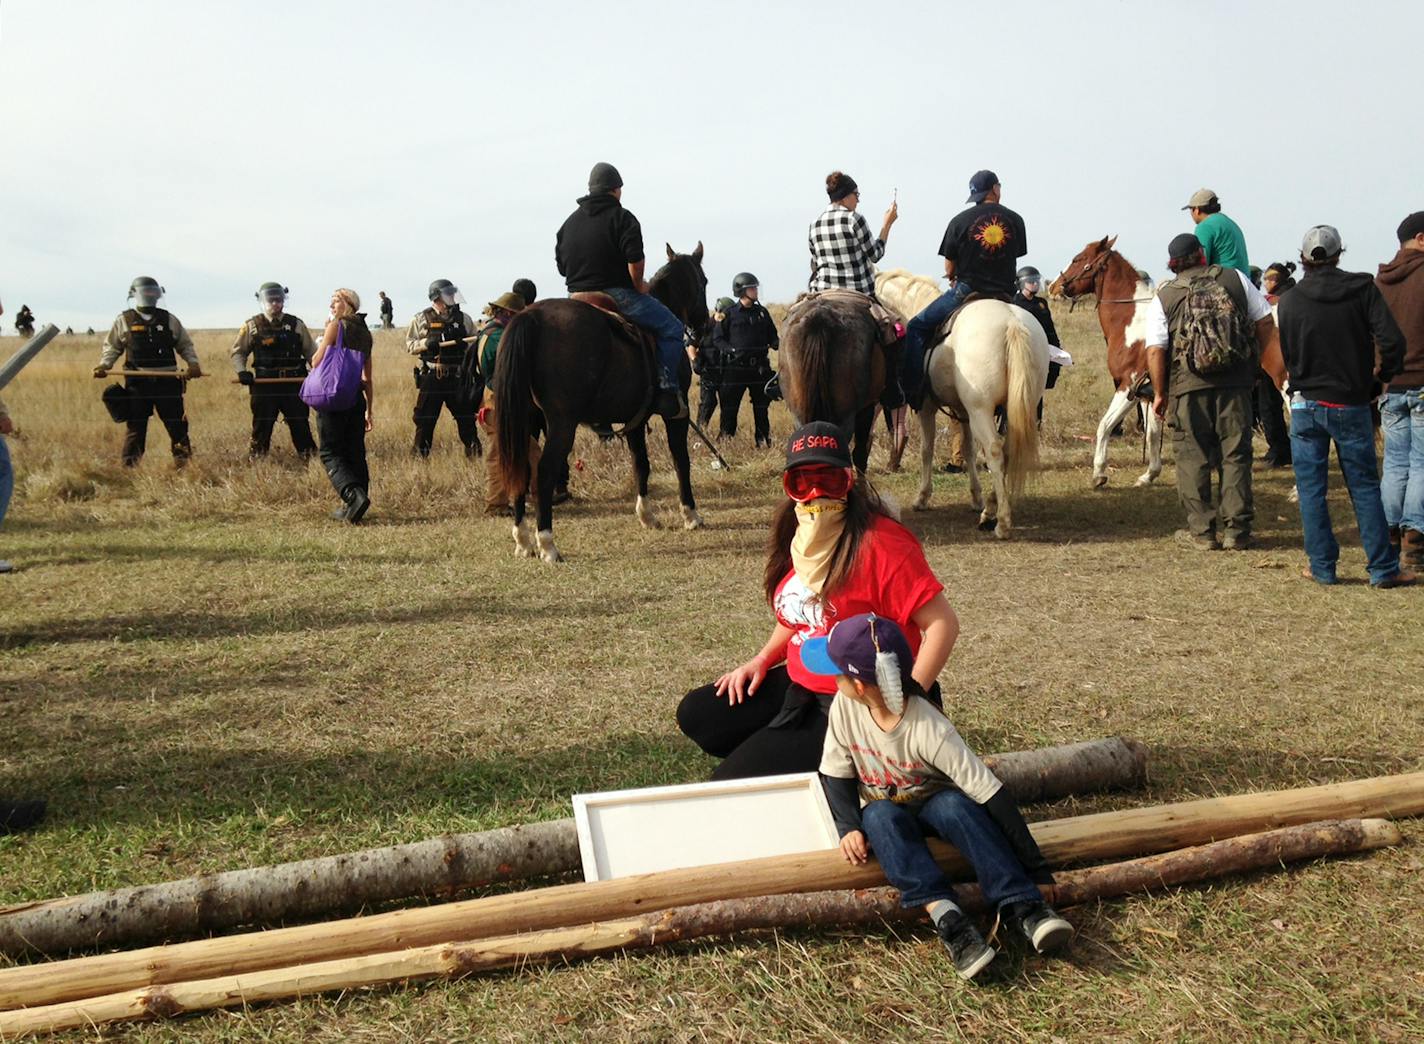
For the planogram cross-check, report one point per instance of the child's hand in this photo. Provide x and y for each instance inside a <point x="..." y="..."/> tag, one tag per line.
<point x="853" y="848"/>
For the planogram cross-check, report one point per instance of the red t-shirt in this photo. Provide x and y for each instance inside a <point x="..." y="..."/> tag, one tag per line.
<point x="891" y="578"/>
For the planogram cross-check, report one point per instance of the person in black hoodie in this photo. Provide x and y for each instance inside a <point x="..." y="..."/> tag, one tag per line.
<point x="600" y="247"/>
<point x="1332" y="325"/>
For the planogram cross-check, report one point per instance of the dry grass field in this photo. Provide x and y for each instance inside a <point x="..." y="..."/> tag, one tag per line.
<point x="202" y="672"/>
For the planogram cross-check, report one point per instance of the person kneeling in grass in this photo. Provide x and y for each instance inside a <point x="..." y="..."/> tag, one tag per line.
<point x="915" y="774"/>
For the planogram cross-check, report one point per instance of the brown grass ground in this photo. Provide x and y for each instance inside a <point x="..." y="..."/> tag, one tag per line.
<point x="201" y="672"/>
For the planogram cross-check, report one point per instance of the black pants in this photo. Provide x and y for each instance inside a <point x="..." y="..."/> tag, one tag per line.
<point x="435" y="393"/>
<point x="1270" y="414"/>
<point x="343" y="448"/>
<point x="271" y="400"/>
<point x="743" y="737"/>
<point x="734" y="383"/>
<point x="707" y="398"/>
<point x="164" y="396"/>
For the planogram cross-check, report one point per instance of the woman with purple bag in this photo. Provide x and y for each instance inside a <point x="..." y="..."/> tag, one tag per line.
<point x="341" y="432"/>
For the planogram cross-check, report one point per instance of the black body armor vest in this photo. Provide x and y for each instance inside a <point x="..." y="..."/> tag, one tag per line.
<point x="277" y="347"/>
<point x="151" y="341"/>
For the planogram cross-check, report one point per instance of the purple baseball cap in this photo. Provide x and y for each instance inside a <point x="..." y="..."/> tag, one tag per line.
<point x="851" y="645"/>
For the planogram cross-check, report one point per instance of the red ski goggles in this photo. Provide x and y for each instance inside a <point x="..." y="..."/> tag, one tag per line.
<point x="817" y="481"/>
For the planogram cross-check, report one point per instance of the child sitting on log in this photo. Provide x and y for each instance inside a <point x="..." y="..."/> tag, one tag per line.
<point x="915" y="775"/>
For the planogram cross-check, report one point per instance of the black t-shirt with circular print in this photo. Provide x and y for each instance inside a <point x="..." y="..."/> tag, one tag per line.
<point x="985" y="243"/>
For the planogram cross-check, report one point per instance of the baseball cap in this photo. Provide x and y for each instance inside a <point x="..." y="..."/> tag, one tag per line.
<point x="852" y="646"/>
<point x="1201" y="198"/>
<point x="1321" y="243"/>
<point x="820" y="442"/>
<point x="980" y="185"/>
<point x="1183" y="246"/>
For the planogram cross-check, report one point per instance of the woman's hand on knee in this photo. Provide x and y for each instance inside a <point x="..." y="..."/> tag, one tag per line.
<point x="853" y="848"/>
<point x="737" y="685"/>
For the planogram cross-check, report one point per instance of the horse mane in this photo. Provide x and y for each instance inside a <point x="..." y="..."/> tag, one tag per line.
<point x="905" y="292"/>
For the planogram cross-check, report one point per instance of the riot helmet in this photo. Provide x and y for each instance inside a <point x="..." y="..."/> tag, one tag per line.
<point x="1029" y="276"/>
<point x="273" y="297"/>
<point x="145" y="292"/>
<point x="724" y="303"/>
<point x="742" y="282"/>
<point x="447" y="292"/>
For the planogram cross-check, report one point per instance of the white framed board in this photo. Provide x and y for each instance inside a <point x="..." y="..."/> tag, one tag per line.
<point x="624" y="832"/>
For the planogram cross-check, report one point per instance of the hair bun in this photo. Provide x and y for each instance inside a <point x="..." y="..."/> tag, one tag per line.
<point x="833" y="179"/>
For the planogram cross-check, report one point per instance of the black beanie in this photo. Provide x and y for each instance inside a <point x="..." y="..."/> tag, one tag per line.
<point x="603" y="178"/>
<point x="1411" y="226"/>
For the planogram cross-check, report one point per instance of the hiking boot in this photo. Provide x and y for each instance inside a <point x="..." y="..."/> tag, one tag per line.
<point x="1401" y="578"/>
<point x="1411" y="549"/>
<point x="967" y="948"/>
<point x="1186" y="538"/>
<point x="357" y="506"/>
<point x="1237" y="542"/>
<point x="953" y="468"/>
<point x="1044" y="929"/>
<point x="20" y="815"/>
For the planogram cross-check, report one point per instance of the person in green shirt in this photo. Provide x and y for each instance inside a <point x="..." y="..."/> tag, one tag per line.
<point x="1219" y="236"/>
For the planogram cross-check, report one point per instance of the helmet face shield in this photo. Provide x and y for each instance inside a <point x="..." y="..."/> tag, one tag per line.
<point x="1031" y="283"/>
<point x="147" y="295"/>
<point x="451" y="296"/>
<point x="272" y="298"/>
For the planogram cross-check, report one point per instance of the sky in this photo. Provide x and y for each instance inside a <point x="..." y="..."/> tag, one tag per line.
<point x="219" y="144"/>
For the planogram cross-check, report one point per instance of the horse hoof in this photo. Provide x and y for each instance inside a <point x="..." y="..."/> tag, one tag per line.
<point x="1001" y="532"/>
<point x="1145" y="479"/>
<point x="524" y="547"/>
<point x="691" y="519"/>
<point x="547" y="551"/>
<point x="1099" y="481"/>
<point x="921" y="504"/>
<point x="989" y="525"/>
<point x="644" y="514"/>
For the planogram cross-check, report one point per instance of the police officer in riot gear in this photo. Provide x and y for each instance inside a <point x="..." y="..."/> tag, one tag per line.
<point x="744" y="337"/>
<point x="443" y="336"/>
<point x="1028" y="296"/>
<point x="150" y="338"/>
<point x="707" y="363"/>
<point x="280" y="347"/>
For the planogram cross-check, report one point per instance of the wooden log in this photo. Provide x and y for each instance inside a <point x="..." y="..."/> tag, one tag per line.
<point x="1106" y="835"/>
<point x="439" y="867"/>
<point x="450" y="960"/>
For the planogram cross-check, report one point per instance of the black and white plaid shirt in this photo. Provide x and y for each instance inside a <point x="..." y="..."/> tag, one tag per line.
<point x="843" y="251"/>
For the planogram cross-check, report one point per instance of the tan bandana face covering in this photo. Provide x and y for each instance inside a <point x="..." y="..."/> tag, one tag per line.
<point x="819" y="524"/>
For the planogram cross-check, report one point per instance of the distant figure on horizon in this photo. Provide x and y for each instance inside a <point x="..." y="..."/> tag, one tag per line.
<point x="25" y="321"/>
<point x="388" y="311"/>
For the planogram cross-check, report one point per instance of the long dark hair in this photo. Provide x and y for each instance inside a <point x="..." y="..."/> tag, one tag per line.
<point x="862" y="502"/>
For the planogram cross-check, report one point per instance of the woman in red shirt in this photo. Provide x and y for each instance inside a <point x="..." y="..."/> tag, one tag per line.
<point x="835" y="552"/>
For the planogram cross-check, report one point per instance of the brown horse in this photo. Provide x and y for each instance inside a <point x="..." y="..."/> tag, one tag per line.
<point x="579" y="365"/>
<point x="1123" y="297"/>
<point x="833" y="367"/>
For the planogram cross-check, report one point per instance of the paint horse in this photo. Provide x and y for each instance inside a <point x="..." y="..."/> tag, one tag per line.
<point x="995" y="355"/>
<point x="1123" y="298"/>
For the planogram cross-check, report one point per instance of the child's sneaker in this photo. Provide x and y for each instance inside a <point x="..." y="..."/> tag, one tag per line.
<point x="967" y="948"/>
<point x="1045" y="929"/>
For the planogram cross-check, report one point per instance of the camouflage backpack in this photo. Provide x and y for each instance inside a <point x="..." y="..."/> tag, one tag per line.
<point x="1212" y="331"/>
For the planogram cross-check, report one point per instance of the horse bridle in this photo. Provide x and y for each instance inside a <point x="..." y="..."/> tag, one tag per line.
<point x="1093" y="269"/>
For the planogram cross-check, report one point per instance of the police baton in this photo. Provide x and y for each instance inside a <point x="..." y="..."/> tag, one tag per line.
<point x="721" y="460"/>
<point x="271" y="380"/>
<point x="172" y="375"/>
<point x="462" y="340"/>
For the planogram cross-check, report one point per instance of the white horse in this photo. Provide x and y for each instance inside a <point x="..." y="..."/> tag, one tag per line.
<point x="996" y="355"/>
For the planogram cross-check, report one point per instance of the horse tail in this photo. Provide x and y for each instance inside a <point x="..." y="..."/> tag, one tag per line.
<point x="1022" y="406"/>
<point x="820" y="331"/>
<point x="514" y="400"/>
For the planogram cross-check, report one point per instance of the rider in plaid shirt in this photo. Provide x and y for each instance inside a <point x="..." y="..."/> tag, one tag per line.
<point x="842" y="250"/>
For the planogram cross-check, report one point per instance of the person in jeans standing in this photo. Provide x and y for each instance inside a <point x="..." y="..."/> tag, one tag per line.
<point x="1332" y="325"/>
<point x="1401" y="281"/>
<point x="342" y="433"/>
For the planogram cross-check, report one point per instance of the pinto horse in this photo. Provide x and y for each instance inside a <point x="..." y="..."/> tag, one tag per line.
<point x="833" y="367"/>
<point x="995" y="355"/>
<point x="577" y="364"/>
<point x="1123" y="297"/>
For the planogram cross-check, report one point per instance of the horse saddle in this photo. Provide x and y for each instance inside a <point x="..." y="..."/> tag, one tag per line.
<point x="942" y="335"/>
<point x="886" y="321"/>
<point x="609" y="307"/>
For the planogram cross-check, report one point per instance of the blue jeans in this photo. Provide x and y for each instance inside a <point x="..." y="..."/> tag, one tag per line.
<point x="897" y="836"/>
<point x="1402" y="487"/>
<point x="651" y="314"/>
<point x="1313" y="427"/>
<point x="921" y="328"/>
<point x="7" y="478"/>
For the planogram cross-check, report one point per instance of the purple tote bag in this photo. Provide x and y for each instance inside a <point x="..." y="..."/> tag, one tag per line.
<point x="335" y="383"/>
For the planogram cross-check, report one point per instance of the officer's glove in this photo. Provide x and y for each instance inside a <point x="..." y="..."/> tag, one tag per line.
<point x="244" y="377"/>
<point x="194" y="370"/>
<point x="101" y="371"/>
